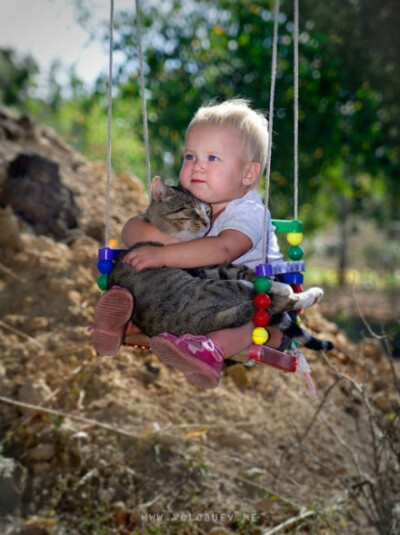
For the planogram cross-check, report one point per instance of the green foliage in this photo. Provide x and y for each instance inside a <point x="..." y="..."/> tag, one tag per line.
<point x="349" y="117"/>
<point x="16" y="78"/>
<point x="199" y="51"/>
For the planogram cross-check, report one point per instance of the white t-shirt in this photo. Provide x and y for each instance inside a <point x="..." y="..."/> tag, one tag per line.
<point x="247" y="215"/>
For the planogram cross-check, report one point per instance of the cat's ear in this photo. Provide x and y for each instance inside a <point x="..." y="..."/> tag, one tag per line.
<point x="159" y="190"/>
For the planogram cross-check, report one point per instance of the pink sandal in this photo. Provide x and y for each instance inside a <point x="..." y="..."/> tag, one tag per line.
<point x="111" y="315"/>
<point x="197" y="357"/>
<point x="273" y="357"/>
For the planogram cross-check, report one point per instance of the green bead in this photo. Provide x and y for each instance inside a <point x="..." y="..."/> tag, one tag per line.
<point x="282" y="225"/>
<point x="295" y="252"/>
<point x="262" y="285"/>
<point x="102" y="282"/>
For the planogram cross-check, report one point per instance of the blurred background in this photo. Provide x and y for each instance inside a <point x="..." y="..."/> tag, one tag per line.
<point x="54" y="67"/>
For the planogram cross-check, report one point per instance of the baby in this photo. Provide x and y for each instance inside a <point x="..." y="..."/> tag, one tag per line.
<point x="225" y="156"/>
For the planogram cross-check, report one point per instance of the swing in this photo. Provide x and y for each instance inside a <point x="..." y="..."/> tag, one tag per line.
<point x="290" y="271"/>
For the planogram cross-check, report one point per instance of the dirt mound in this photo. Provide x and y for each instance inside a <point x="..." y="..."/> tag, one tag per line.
<point x="125" y="443"/>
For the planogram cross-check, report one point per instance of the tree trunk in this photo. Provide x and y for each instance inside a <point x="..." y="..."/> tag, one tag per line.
<point x="344" y="206"/>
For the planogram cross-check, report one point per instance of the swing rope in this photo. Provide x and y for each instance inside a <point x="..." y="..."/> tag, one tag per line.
<point x="109" y="106"/>
<point x="265" y="244"/>
<point x="143" y="94"/>
<point x="296" y="107"/>
<point x="110" y="84"/>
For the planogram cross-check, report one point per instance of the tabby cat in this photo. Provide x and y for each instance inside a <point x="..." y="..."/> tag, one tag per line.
<point x="201" y="300"/>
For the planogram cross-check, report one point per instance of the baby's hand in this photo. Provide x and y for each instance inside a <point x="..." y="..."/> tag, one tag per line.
<point x="144" y="258"/>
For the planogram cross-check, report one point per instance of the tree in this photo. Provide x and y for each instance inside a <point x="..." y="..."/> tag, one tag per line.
<point x="16" y="78"/>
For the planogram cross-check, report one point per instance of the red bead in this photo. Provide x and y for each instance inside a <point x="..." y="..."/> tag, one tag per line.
<point x="261" y="318"/>
<point x="297" y="288"/>
<point x="262" y="301"/>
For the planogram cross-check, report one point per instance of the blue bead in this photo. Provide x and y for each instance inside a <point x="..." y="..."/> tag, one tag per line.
<point x="106" y="253"/>
<point x="278" y="268"/>
<point x="105" y="266"/>
<point x="264" y="270"/>
<point x="292" y="278"/>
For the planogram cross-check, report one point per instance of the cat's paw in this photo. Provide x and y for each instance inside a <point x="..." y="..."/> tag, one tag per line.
<point x="308" y="298"/>
<point x="246" y="283"/>
<point x="281" y="288"/>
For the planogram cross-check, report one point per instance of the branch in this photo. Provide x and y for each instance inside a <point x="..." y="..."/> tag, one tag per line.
<point x="289" y="522"/>
<point x="81" y="419"/>
<point x="20" y="333"/>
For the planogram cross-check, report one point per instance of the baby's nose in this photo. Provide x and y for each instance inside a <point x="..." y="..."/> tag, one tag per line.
<point x="198" y="165"/>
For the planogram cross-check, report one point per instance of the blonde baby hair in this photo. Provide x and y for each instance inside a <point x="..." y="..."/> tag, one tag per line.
<point x="251" y="124"/>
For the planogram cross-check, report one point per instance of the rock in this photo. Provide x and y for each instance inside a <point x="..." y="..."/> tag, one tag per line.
<point x="14" y="320"/>
<point x="106" y="495"/>
<point x="41" y="468"/>
<point x="36" y="193"/>
<point x="371" y="348"/>
<point x="12" y="486"/>
<point x="42" y="452"/>
<point x="9" y="230"/>
<point x="95" y="229"/>
<point x="38" y="323"/>
<point x="33" y="393"/>
<point x="219" y="530"/>
<point x="74" y="297"/>
<point x="39" y="526"/>
<point x="239" y="375"/>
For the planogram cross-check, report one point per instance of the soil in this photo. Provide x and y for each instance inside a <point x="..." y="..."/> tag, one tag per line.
<point x="125" y="445"/>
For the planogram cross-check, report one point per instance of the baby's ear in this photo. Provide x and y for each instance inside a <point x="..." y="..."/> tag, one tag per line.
<point x="251" y="173"/>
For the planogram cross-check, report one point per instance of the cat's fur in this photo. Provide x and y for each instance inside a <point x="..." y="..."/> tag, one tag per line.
<point x="201" y="300"/>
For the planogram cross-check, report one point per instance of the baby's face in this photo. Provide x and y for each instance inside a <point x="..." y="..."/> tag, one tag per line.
<point x="214" y="166"/>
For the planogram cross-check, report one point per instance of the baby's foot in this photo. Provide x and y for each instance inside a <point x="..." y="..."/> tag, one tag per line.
<point x="135" y="338"/>
<point x="197" y="357"/>
<point x="111" y="314"/>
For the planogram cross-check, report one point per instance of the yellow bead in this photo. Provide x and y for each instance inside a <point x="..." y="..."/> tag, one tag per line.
<point x="298" y="320"/>
<point x="260" y="336"/>
<point x="294" y="238"/>
<point x="113" y="243"/>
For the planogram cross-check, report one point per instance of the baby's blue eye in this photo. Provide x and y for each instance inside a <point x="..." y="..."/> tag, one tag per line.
<point x="212" y="158"/>
<point x="189" y="157"/>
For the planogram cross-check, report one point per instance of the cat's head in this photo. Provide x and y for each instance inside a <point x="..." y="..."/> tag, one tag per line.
<point x="175" y="211"/>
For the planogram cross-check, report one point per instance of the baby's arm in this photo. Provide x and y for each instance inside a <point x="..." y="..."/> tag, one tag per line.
<point x="222" y="249"/>
<point x="136" y="229"/>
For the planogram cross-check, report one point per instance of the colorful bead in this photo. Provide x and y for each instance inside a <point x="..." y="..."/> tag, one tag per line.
<point x="262" y="284"/>
<point x="293" y="278"/>
<point x="295" y="252"/>
<point x="261" y="318"/>
<point x="105" y="266"/>
<point x="102" y="282"/>
<point x="282" y="225"/>
<point x="260" y="336"/>
<point x="297" y="288"/>
<point x="298" y="320"/>
<point x="114" y="243"/>
<point x="262" y="301"/>
<point x="278" y="268"/>
<point x="294" y="238"/>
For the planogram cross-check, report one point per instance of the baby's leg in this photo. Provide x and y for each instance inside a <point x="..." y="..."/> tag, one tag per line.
<point x="233" y="341"/>
<point x="135" y="337"/>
